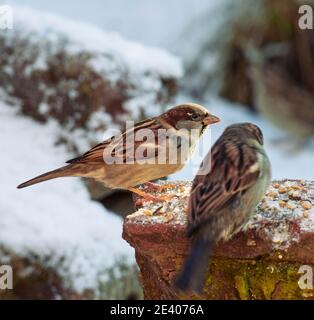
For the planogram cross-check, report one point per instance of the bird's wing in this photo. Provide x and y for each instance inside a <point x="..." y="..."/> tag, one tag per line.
<point x="234" y="169"/>
<point x="122" y="149"/>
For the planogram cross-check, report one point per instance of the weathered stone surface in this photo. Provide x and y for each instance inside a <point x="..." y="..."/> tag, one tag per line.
<point x="260" y="263"/>
<point x="34" y="279"/>
<point x="31" y="280"/>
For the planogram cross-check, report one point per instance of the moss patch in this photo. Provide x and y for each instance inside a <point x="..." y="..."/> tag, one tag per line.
<point x="251" y="279"/>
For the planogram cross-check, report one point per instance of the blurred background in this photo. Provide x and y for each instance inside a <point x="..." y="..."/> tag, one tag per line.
<point x="70" y="71"/>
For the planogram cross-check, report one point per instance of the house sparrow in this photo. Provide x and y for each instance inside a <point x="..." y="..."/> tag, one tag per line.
<point x="283" y="103"/>
<point x="223" y="200"/>
<point x="144" y="160"/>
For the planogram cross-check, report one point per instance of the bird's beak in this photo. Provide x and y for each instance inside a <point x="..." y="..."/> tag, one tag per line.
<point x="210" y="119"/>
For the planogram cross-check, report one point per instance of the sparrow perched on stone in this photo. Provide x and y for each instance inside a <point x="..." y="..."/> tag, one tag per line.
<point x="152" y="149"/>
<point x="283" y="103"/>
<point x="223" y="199"/>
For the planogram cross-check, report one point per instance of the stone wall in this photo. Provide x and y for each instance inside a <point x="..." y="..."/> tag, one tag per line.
<point x="260" y="263"/>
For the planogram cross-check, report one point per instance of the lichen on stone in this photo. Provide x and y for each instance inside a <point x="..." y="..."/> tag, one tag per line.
<point x="285" y="202"/>
<point x="262" y="262"/>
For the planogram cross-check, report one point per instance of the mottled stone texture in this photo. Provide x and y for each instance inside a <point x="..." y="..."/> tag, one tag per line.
<point x="261" y="262"/>
<point x="32" y="280"/>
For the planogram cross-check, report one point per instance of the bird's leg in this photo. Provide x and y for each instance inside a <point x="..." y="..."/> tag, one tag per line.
<point x="159" y="187"/>
<point x="149" y="197"/>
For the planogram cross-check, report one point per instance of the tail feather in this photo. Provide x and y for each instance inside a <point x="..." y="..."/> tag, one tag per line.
<point x="60" y="172"/>
<point x="193" y="274"/>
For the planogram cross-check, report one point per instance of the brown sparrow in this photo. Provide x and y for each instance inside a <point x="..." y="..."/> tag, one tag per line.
<point x="152" y="149"/>
<point x="223" y="200"/>
<point x="283" y="103"/>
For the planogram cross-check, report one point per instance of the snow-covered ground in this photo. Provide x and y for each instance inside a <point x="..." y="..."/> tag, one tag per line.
<point x="141" y="69"/>
<point x="137" y="57"/>
<point x="287" y="160"/>
<point x="153" y="22"/>
<point x="56" y="220"/>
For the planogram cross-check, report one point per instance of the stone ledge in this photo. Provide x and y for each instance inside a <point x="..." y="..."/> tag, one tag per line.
<point x="260" y="263"/>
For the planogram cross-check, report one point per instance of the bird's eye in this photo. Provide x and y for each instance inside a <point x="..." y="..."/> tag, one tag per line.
<point x="195" y="117"/>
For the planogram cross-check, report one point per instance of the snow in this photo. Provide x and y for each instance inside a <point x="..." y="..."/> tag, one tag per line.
<point x="172" y="211"/>
<point x="56" y="221"/>
<point x="285" y="202"/>
<point x="139" y="20"/>
<point x="286" y="164"/>
<point x="121" y="62"/>
<point x="132" y="55"/>
<point x="285" y="212"/>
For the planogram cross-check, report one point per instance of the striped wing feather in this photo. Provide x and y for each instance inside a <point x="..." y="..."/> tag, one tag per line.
<point x="234" y="170"/>
<point x="116" y="146"/>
